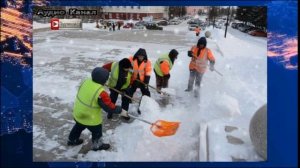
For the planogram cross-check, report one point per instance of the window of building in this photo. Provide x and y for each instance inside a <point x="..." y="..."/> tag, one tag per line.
<point x="139" y="7"/>
<point x="132" y="7"/>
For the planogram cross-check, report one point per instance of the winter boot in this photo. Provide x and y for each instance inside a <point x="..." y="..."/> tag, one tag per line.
<point x="125" y="118"/>
<point x="109" y="116"/>
<point x="188" y="90"/>
<point x="75" y="142"/>
<point x="196" y="92"/>
<point x="99" y="145"/>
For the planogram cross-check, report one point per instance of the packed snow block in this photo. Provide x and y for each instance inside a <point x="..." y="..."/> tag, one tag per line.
<point x="258" y="131"/>
<point x="207" y="34"/>
<point x="149" y="105"/>
<point x="225" y="106"/>
<point x="169" y="91"/>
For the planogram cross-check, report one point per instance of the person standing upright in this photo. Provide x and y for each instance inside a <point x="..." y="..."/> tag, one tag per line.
<point x="197" y="30"/>
<point x="200" y="56"/>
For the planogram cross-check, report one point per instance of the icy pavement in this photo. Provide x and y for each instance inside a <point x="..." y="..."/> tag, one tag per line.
<point x="63" y="58"/>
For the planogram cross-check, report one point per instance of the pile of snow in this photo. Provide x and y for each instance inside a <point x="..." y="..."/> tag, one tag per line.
<point x="225" y="106"/>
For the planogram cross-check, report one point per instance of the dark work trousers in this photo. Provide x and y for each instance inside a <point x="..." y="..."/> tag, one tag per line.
<point x="161" y="82"/>
<point x="114" y="97"/>
<point x="135" y="85"/>
<point x="195" y="77"/>
<point x="197" y="34"/>
<point x="145" y="91"/>
<point x="78" y="128"/>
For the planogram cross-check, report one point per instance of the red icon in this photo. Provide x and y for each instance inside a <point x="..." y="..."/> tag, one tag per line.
<point x="54" y="24"/>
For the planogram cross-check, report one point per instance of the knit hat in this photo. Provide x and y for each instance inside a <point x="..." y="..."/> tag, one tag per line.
<point x="125" y="63"/>
<point x="142" y="52"/>
<point x="100" y="75"/>
<point x="202" y="41"/>
<point x="173" y="53"/>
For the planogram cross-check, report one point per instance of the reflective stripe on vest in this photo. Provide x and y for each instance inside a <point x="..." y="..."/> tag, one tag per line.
<point x="86" y="109"/>
<point x="199" y="63"/>
<point x="164" y="57"/>
<point x="138" y="70"/>
<point x="114" y="75"/>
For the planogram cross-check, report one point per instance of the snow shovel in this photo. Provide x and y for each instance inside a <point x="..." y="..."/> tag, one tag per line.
<point x="121" y="93"/>
<point x="161" y="128"/>
<point x="159" y="91"/>
<point x="218" y="72"/>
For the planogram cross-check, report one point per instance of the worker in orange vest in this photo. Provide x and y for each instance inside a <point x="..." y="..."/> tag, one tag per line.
<point x="200" y="56"/>
<point x="141" y="74"/>
<point x="197" y="30"/>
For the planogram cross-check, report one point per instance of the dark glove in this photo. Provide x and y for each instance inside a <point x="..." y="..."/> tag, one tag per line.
<point x="147" y="79"/>
<point x="190" y="53"/>
<point x="118" y="110"/>
<point x="167" y="76"/>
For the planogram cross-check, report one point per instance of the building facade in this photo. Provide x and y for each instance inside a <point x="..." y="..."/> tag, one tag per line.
<point x="134" y="12"/>
<point x="193" y="10"/>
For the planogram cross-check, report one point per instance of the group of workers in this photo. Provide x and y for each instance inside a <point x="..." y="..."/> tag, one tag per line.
<point x="125" y="77"/>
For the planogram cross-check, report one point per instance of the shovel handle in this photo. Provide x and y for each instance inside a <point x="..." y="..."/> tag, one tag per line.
<point x="116" y="90"/>
<point x="145" y="121"/>
<point x="218" y="72"/>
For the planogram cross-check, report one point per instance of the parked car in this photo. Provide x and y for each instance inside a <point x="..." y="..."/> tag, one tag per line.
<point x="259" y="33"/>
<point x="218" y="25"/>
<point x="142" y="22"/>
<point x="174" y="22"/>
<point x="192" y="27"/>
<point x="250" y="28"/>
<point x="153" y="26"/>
<point x="138" y="26"/>
<point x="128" y="25"/>
<point x="162" y="23"/>
<point x="236" y="25"/>
<point x="244" y="28"/>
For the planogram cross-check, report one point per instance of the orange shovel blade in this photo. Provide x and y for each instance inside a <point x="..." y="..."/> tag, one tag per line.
<point x="164" y="128"/>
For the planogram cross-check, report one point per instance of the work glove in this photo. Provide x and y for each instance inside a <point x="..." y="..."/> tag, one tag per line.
<point x="190" y="53"/>
<point x="124" y="113"/>
<point x="118" y="109"/>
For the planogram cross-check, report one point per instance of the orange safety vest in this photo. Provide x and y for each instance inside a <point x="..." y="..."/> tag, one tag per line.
<point x="142" y="70"/>
<point x="197" y="30"/>
<point x="199" y="63"/>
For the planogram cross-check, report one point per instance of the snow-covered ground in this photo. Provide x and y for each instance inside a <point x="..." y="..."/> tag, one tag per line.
<point x="63" y="58"/>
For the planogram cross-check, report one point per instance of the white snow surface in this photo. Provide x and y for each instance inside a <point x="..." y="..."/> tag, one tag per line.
<point x="62" y="60"/>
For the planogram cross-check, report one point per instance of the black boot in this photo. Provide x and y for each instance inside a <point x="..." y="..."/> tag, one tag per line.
<point x="75" y="142"/>
<point x="125" y="118"/>
<point x="188" y="90"/>
<point x="109" y="115"/>
<point x="102" y="147"/>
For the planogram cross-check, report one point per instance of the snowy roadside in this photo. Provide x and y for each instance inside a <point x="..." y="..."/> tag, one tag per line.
<point x="230" y="100"/>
